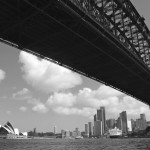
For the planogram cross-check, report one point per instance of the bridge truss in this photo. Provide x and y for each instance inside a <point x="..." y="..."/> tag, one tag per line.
<point x="121" y="19"/>
<point x="106" y="40"/>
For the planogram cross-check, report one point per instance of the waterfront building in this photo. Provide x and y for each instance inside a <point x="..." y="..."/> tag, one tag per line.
<point x="141" y="123"/>
<point x="144" y="122"/>
<point x="67" y="134"/>
<point x="95" y="117"/>
<point x="86" y="130"/>
<point x="129" y="125"/>
<point x="118" y="123"/>
<point x="34" y="132"/>
<point x="55" y="130"/>
<point x="103" y="120"/>
<point x="110" y="123"/>
<point x="148" y="123"/>
<point x="123" y="119"/>
<point x="97" y="128"/>
<point x="90" y="129"/>
<point x="100" y="122"/>
<point x="133" y="124"/>
<point x="63" y="133"/>
<point x="8" y="131"/>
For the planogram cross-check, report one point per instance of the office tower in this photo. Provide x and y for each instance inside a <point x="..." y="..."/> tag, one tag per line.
<point x="67" y="133"/>
<point x="63" y="133"/>
<point x="55" y="129"/>
<point x="144" y="123"/>
<point x="142" y="116"/>
<point x="95" y="118"/>
<point x="133" y="125"/>
<point x="86" y="130"/>
<point x="99" y="113"/>
<point x="34" y="132"/>
<point x="129" y="126"/>
<point x="97" y="128"/>
<point x="100" y="122"/>
<point x="141" y="123"/>
<point x="118" y="123"/>
<point x="123" y="118"/>
<point x="90" y="129"/>
<point x="110" y="123"/>
<point x="77" y="129"/>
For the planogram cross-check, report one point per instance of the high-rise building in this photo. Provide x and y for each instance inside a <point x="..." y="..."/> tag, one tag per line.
<point x="95" y="117"/>
<point x="142" y="116"/>
<point x="123" y="119"/>
<point x="55" y="129"/>
<point x="103" y="119"/>
<point x="141" y="123"/>
<point x="133" y="125"/>
<point x="100" y="122"/>
<point x="90" y="129"/>
<point x="129" y="125"/>
<point x="97" y="128"/>
<point x="110" y="123"/>
<point x="86" y="130"/>
<point x="34" y="131"/>
<point x="118" y="123"/>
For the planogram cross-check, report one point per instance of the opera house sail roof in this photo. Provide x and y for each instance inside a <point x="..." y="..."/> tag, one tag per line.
<point x="7" y="129"/>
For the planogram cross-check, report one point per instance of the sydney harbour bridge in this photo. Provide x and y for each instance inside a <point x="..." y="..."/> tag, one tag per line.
<point x="106" y="40"/>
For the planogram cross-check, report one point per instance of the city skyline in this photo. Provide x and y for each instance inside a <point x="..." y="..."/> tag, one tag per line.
<point x="44" y="94"/>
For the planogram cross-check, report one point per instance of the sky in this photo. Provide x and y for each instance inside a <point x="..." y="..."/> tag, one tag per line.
<point x="36" y="93"/>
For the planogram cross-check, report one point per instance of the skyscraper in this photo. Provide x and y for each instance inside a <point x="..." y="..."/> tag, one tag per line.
<point x="100" y="122"/>
<point x="86" y="130"/>
<point x="110" y="123"/>
<point x="143" y="120"/>
<point x="90" y="129"/>
<point x="103" y="119"/>
<point x="55" y="129"/>
<point x="141" y="123"/>
<point x="123" y="119"/>
<point x="95" y="118"/>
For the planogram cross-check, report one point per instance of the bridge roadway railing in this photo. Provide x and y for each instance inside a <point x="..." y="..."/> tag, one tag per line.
<point x="122" y="20"/>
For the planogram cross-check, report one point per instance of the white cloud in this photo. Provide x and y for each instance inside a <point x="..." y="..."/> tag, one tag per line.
<point x="40" y="108"/>
<point x="86" y="111"/>
<point x="86" y="101"/>
<point x="2" y="75"/>
<point x="23" y="94"/>
<point x="45" y="75"/>
<point x="62" y="99"/>
<point x="23" y="108"/>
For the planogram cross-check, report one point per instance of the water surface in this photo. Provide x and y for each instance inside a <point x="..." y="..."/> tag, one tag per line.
<point x="75" y="144"/>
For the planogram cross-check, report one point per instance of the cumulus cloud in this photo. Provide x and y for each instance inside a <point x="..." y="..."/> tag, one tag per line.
<point x="62" y="99"/>
<point x="23" y="108"/>
<point x="86" y="101"/>
<point x="40" y="108"/>
<point x="45" y="75"/>
<point x="2" y="75"/>
<point x="86" y="111"/>
<point x="23" y="94"/>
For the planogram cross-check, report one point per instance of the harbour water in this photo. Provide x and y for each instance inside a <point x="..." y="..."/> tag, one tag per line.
<point x="75" y="144"/>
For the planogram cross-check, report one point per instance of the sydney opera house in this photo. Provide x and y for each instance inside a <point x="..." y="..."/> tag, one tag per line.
<point x="7" y="131"/>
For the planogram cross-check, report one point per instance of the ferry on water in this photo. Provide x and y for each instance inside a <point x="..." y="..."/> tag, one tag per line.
<point x="115" y="133"/>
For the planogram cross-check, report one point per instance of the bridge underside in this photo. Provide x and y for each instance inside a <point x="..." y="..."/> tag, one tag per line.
<point x="57" y="32"/>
